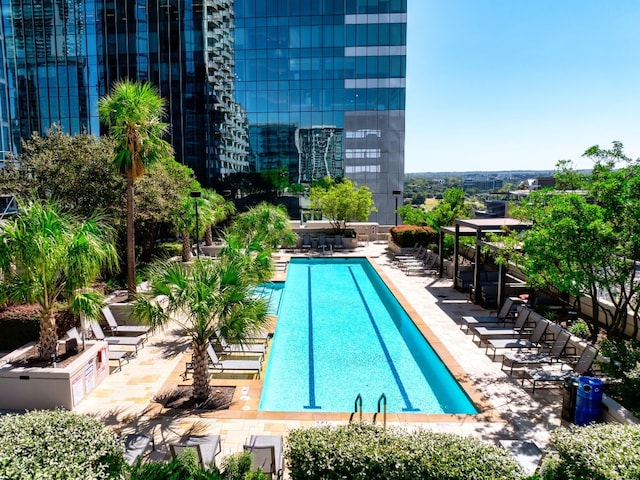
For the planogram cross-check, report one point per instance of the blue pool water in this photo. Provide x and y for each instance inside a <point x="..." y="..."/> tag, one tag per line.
<point x="341" y="333"/>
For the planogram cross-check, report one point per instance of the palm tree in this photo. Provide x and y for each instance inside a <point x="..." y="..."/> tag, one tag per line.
<point x="266" y="223"/>
<point x="204" y="297"/>
<point x="216" y="211"/>
<point x="47" y="255"/>
<point x="133" y="111"/>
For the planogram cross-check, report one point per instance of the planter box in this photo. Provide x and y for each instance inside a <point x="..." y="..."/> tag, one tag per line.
<point x="614" y="412"/>
<point x="47" y="387"/>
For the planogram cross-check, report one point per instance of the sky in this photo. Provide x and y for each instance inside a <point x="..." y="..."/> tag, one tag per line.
<point x="520" y="84"/>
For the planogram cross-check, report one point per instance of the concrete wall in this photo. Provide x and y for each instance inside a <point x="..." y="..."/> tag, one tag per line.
<point x="38" y="387"/>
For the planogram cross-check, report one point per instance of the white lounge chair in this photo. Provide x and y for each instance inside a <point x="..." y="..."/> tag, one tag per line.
<point x="116" y="329"/>
<point x="136" y="342"/>
<point x="232" y="364"/>
<point x="266" y="452"/>
<point x="247" y="348"/>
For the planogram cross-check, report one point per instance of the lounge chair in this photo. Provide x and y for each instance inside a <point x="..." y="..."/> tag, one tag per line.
<point x="116" y="329"/>
<point x="135" y="444"/>
<point x="233" y="364"/>
<point x="485" y="332"/>
<point x="113" y="355"/>
<point x="248" y="348"/>
<point x="535" y="340"/>
<point x="136" y="342"/>
<point x="550" y="354"/>
<point x="559" y="374"/>
<point x="266" y="452"/>
<point x="505" y="315"/>
<point x="206" y="448"/>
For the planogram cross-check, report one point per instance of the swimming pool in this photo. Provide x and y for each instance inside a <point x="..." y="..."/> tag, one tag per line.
<point x="341" y="333"/>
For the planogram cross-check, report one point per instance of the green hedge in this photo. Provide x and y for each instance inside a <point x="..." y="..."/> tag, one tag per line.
<point x="16" y="332"/>
<point x="58" y="444"/>
<point x="408" y="235"/>
<point x="363" y="451"/>
<point x="606" y="451"/>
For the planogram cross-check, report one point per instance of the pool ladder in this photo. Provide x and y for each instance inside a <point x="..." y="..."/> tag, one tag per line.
<point x="357" y="408"/>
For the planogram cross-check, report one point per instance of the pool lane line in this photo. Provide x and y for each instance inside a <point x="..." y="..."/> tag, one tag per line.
<point x="312" y="377"/>
<point x="396" y="376"/>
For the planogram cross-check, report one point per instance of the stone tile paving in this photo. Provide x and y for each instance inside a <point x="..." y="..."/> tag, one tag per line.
<point x="124" y="399"/>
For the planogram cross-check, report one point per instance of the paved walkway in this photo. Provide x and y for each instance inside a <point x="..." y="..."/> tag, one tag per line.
<point x="124" y="399"/>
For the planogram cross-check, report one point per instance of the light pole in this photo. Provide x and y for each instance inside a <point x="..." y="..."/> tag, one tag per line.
<point x="196" y="196"/>
<point x="395" y="194"/>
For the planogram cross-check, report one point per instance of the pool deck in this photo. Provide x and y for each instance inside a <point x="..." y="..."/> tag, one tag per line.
<point x="508" y="412"/>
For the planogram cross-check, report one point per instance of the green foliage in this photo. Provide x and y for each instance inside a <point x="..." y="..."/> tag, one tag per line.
<point x="234" y="467"/>
<point x="408" y="235"/>
<point x="49" y="255"/>
<point x="58" y="444"/>
<point x="604" y="451"/>
<point x="341" y="202"/>
<point x="239" y="467"/>
<point x="580" y="329"/>
<point x="363" y="451"/>
<point x="412" y="215"/>
<point x="75" y="171"/>
<point x="623" y="366"/>
<point x="451" y="206"/>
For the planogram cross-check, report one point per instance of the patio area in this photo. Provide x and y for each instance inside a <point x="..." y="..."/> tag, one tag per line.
<point x="124" y="400"/>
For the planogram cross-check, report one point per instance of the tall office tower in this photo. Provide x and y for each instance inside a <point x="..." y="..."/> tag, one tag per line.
<point x="314" y="87"/>
<point x="6" y="146"/>
<point x="323" y="86"/>
<point x="51" y="66"/>
<point x="63" y="55"/>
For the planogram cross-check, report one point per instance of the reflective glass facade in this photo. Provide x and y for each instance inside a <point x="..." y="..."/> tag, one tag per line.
<point x="316" y="86"/>
<point x="323" y="86"/>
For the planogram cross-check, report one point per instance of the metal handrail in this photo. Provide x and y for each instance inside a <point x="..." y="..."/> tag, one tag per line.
<point x="358" y="401"/>
<point x="383" y="399"/>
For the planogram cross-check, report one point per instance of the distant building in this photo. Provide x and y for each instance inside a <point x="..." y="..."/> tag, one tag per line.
<point x="480" y="183"/>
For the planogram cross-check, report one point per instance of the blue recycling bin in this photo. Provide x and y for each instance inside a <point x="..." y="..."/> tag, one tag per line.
<point x="589" y="401"/>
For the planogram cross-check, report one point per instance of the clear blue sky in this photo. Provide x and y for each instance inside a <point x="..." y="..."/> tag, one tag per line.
<point x="520" y="84"/>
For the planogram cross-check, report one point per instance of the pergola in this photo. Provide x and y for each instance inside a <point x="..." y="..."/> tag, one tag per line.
<point x="480" y="227"/>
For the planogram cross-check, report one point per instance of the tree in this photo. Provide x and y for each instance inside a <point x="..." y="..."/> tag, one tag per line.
<point x="133" y="111"/>
<point x="204" y="298"/>
<point x="412" y="215"/>
<point x="48" y="255"/>
<point x="217" y="209"/>
<point x="74" y="170"/>
<point x="341" y="202"/>
<point x="257" y="233"/>
<point x="158" y="198"/>
<point x="451" y="206"/>
<point x="587" y="244"/>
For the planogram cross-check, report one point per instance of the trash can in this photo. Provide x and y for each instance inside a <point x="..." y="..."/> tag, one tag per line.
<point x="569" y="395"/>
<point x="589" y="401"/>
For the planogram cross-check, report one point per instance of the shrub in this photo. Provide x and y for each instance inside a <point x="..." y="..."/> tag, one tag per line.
<point x="58" y="444"/>
<point x="184" y="467"/>
<point x="363" y="451"/>
<point x="580" y="329"/>
<point x="623" y="365"/>
<point x="606" y="451"/>
<point x="408" y="235"/>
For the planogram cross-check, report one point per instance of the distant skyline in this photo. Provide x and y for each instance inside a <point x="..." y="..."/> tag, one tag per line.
<point x="514" y="85"/>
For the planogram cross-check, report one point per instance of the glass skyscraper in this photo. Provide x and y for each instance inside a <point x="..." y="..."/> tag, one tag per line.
<point x="323" y="86"/>
<point x="316" y="87"/>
